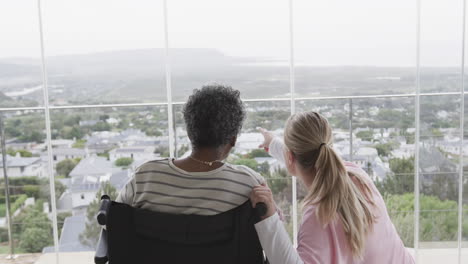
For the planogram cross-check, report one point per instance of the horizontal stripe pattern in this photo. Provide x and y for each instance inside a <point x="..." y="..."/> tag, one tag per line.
<point x="193" y="188"/>
<point x="158" y="185"/>
<point x="145" y="202"/>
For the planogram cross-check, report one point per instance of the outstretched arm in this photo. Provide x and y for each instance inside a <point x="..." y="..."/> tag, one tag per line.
<point x="273" y="145"/>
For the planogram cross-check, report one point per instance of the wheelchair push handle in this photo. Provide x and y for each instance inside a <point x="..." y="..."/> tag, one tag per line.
<point x="261" y="209"/>
<point x="103" y="210"/>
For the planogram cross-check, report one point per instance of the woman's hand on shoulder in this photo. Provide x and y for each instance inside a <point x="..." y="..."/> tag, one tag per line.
<point x="267" y="138"/>
<point x="262" y="194"/>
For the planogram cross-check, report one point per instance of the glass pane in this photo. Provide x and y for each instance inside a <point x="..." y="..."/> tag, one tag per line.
<point x="281" y="186"/>
<point x="28" y="183"/>
<point x="20" y="64"/>
<point x="441" y="45"/>
<point x="383" y="140"/>
<point x="115" y="55"/>
<point x="438" y="223"/>
<point x="96" y="151"/>
<point x="465" y="218"/>
<point x="440" y="133"/>
<point x="465" y="192"/>
<point x="401" y="211"/>
<point x="354" y="47"/>
<point x="228" y="42"/>
<point x="438" y="174"/>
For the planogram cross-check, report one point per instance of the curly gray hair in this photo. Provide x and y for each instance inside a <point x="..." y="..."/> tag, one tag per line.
<point x="213" y="115"/>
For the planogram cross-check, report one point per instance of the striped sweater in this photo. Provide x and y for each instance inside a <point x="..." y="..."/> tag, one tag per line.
<point x="159" y="185"/>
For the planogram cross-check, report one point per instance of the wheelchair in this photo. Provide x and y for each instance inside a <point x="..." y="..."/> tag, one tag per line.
<point x="135" y="235"/>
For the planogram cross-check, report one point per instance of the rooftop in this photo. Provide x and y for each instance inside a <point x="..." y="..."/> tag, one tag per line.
<point x="16" y="161"/>
<point x="93" y="165"/>
<point x="69" y="239"/>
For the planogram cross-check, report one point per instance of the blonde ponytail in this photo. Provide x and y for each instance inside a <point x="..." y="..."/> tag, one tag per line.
<point x="333" y="191"/>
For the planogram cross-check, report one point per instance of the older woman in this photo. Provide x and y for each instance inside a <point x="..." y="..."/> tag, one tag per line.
<point x="203" y="183"/>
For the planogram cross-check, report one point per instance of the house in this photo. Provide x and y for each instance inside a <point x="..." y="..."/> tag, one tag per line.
<point x="18" y="166"/>
<point x="119" y="179"/>
<point x="102" y="141"/>
<point x="62" y="143"/>
<point x="405" y="151"/>
<point x="136" y="153"/>
<point x="86" y="179"/>
<point x="246" y="142"/>
<point x="92" y="166"/>
<point x="88" y="122"/>
<point x="368" y="153"/>
<point x="82" y="194"/>
<point x="113" y="121"/>
<point x="60" y="154"/>
<point x="79" y="195"/>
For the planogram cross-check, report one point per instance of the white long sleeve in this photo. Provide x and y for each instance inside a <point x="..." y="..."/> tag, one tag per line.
<point x="271" y="232"/>
<point x="277" y="149"/>
<point x="276" y="243"/>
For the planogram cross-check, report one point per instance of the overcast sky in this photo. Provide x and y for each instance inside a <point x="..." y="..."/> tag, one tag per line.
<point x="327" y="32"/>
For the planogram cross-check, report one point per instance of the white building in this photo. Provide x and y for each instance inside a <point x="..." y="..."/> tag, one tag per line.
<point x="62" y="143"/>
<point x="86" y="179"/>
<point x="246" y="142"/>
<point x="405" y="151"/>
<point x="60" y="154"/>
<point x="136" y="153"/>
<point x="18" y="166"/>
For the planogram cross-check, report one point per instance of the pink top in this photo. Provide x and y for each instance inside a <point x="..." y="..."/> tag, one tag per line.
<point x="329" y="245"/>
<point x="318" y="244"/>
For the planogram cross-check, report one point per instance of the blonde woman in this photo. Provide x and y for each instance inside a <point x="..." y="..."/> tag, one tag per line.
<point x="344" y="216"/>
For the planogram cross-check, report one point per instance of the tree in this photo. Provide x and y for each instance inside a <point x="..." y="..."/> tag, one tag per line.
<point x="32" y="136"/>
<point x="35" y="239"/>
<point x="72" y="132"/>
<point x="384" y="150"/>
<point x="123" y="162"/>
<point x="90" y="235"/>
<point x="278" y="181"/>
<point x="401" y="181"/>
<point x="402" y="166"/>
<point x="35" y="231"/>
<point x="101" y="126"/>
<point x="152" y="131"/>
<point x="23" y="153"/>
<point x="251" y="163"/>
<point x="104" y="117"/>
<point x="258" y="153"/>
<point x="64" y="167"/>
<point x="365" y="135"/>
<point x="73" y="120"/>
<point x="80" y="143"/>
<point x="438" y="219"/>
<point x="184" y="148"/>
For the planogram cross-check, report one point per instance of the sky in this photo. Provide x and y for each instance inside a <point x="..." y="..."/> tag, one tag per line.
<point x="326" y="32"/>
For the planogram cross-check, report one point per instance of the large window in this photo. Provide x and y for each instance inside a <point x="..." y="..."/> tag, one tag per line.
<point x="104" y="52"/>
<point x="388" y="75"/>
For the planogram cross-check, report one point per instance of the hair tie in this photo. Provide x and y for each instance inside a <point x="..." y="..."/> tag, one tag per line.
<point x="321" y="146"/>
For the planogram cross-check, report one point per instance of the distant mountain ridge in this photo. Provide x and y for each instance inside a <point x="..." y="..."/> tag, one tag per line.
<point x="140" y="76"/>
